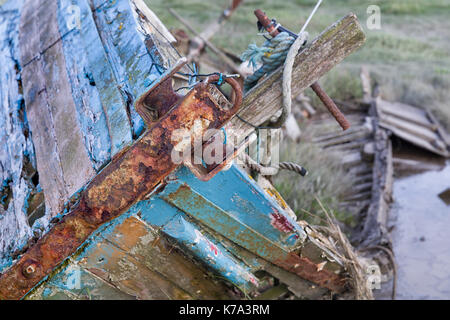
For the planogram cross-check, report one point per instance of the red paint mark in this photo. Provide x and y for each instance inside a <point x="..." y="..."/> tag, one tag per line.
<point x="213" y="248"/>
<point x="280" y="222"/>
<point x="254" y="281"/>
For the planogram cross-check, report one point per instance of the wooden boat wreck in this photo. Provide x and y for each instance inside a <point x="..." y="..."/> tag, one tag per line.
<point x="92" y="206"/>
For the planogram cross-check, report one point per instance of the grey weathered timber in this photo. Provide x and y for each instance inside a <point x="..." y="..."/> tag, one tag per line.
<point x="326" y="51"/>
<point x="50" y="106"/>
<point x="374" y="230"/>
<point x="414" y="125"/>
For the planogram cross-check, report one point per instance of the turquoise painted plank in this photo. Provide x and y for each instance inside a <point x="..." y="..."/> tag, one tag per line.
<point x="113" y="104"/>
<point x="174" y="223"/>
<point x="234" y="192"/>
<point x="207" y="213"/>
<point x="74" y="283"/>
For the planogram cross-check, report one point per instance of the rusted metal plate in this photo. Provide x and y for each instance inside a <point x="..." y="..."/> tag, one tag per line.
<point x="130" y="176"/>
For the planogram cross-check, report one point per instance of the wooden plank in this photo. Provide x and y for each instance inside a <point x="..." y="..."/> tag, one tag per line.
<point x="57" y="126"/>
<point x="374" y="229"/>
<point x="117" y="26"/>
<point x="358" y="144"/>
<point x="141" y="7"/>
<point x="115" y="109"/>
<point x="44" y="138"/>
<point x="443" y="133"/>
<point x="156" y="253"/>
<point x="90" y="115"/>
<point x="130" y="259"/>
<point x="17" y="158"/>
<point x="394" y="110"/>
<point x="414" y="139"/>
<point x="155" y="33"/>
<point x="363" y="133"/>
<point x="76" y="283"/>
<point x="75" y="163"/>
<point x="351" y="159"/>
<point x="337" y="134"/>
<point x="326" y="51"/>
<point x="130" y="276"/>
<point x="28" y="26"/>
<point x="402" y="108"/>
<point x="366" y="84"/>
<point x="419" y="131"/>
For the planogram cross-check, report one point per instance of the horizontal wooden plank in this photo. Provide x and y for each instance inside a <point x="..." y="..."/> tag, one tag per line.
<point x="417" y="130"/>
<point x="76" y="283"/>
<point x="414" y="139"/>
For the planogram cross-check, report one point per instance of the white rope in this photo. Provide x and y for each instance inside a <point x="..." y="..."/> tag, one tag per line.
<point x="288" y="66"/>
<point x="287" y="75"/>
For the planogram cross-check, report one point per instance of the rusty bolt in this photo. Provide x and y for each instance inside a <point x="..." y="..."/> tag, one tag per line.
<point x="29" y="269"/>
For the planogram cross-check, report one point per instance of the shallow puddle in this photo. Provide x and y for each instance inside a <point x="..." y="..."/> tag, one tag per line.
<point x="421" y="236"/>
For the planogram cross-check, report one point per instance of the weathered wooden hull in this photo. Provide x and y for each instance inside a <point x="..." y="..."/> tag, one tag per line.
<point x="188" y="239"/>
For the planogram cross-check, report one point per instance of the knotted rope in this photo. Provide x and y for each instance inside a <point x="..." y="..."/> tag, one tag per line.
<point x="270" y="171"/>
<point x="282" y="48"/>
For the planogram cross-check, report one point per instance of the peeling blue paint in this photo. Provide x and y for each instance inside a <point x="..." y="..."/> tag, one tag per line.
<point x="98" y="64"/>
<point x="15" y="141"/>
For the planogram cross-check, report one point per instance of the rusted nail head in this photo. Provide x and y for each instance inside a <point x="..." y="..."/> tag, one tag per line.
<point x="29" y="269"/>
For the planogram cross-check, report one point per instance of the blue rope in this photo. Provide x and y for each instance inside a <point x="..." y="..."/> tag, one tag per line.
<point x="271" y="55"/>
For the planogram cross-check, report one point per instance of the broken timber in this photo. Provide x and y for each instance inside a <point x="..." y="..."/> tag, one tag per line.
<point x="278" y="229"/>
<point x="414" y="125"/>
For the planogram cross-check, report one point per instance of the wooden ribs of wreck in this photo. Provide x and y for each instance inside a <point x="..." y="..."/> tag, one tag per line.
<point x="260" y="104"/>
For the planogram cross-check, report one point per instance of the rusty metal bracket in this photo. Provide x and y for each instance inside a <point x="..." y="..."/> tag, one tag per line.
<point x="130" y="176"/>
<point x="162" y="97"/>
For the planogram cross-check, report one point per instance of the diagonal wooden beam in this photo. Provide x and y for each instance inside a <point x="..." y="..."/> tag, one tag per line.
<point x="265" y="99"/>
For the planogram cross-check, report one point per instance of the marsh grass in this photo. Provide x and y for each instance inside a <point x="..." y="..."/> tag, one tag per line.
<point x="325" y="179"/>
